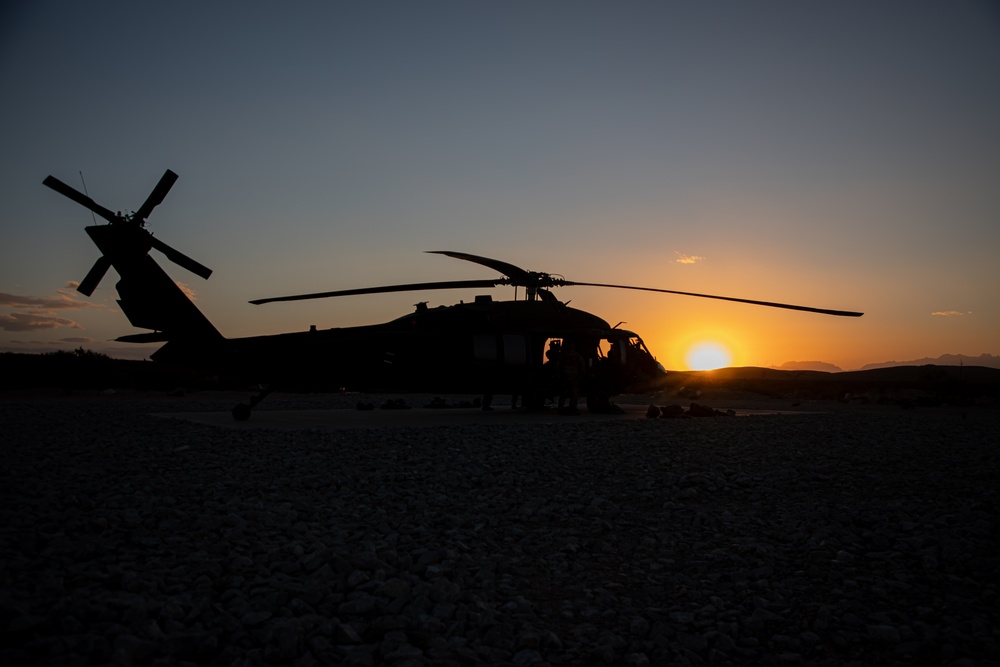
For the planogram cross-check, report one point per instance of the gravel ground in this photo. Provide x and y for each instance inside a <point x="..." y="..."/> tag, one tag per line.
<point x="813" y="539"/>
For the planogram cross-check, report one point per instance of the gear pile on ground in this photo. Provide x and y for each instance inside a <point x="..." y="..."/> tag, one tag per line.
<point x="675" y="411"/>
<point x="819" y="539"/>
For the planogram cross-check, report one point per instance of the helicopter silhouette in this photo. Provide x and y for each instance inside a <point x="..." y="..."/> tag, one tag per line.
<point x="484" y="346"/>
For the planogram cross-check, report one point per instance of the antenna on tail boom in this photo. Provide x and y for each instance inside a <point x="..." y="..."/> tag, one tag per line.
<point x="92" y="216"/>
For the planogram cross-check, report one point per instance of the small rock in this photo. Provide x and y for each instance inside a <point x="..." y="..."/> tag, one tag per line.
<point x="884" y="633"/>
<point x="527" y="658"/>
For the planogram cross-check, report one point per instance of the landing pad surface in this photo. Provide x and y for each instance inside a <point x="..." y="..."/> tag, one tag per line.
<point x="345" y="418"/>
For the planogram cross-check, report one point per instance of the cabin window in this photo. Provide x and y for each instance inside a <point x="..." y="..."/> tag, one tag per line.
<point x="510" y="349"/>
<point x="515" y="350"/>
<point x="615" y="352"/>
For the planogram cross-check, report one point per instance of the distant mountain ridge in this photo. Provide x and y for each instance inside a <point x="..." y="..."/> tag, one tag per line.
<point x="985" y="360"/>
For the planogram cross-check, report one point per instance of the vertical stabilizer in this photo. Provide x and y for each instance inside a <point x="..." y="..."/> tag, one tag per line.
<point x="148" y="296"/>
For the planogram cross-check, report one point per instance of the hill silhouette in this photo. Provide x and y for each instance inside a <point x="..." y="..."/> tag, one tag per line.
<point x="83" y="369"/>
<point x="985" y="360"/>
<point x="810" y="366"/>
<point x="929" y="385"/>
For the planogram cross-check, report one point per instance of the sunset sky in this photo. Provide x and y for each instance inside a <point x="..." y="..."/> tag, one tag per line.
<point x="834" y="154"/>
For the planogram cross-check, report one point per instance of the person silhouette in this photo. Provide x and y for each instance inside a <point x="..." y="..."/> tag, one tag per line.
<point x="571" y="369"/>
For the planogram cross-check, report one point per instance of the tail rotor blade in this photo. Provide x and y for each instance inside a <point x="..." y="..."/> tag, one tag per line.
<point x="79" y="198"/>
<point x="155" y="197"/>
<point x="180" y="259"/>
<point x="94" y="276"/>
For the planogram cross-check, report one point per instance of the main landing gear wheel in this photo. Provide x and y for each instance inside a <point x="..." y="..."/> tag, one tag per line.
<point x="241" y="412"/>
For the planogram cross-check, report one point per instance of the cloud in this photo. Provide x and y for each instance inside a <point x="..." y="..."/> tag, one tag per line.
<point x="687" y="259"/>
<point x="188" y="292"/>
<point x="949" y="313"/>
<point x="64" y="300"/>
<point x="34" y="322"/>
<point x="76" y="339"/>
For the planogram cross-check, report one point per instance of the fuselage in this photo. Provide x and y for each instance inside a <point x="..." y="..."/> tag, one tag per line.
<point x="483" y="346"/>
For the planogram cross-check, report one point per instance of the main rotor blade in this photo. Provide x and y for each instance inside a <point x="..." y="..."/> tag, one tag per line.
<point x="413" y="287"/>
<point x="516" y="273"/>
<point x="79" y="198"/>
<point x="94" y="276"/>
<point x="772" y="304"/>
<point x="180" y="259"/>
<point x="156" y="196"/>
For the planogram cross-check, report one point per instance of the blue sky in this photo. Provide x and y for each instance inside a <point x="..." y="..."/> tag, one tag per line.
<point x="842" y="155"/>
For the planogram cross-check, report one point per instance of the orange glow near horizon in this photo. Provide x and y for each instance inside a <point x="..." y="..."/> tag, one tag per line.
<point x="769" y="338"/>
<point x="694" y="342"/>
<point x="708" y="355"/>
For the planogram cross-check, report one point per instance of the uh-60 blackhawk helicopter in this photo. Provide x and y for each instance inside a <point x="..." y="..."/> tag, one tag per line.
<point x="485" y="346"/>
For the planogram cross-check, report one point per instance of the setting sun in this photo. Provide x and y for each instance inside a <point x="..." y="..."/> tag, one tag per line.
<point x="707" y="356"/>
